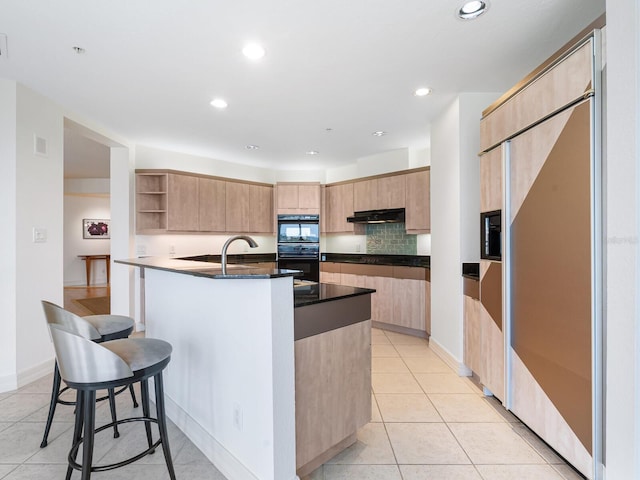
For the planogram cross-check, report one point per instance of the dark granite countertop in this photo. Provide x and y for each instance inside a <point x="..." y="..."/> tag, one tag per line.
<point x="324" y="292"/>
<point x="471" y="270"/>
<point x="362" y="258"/>
<point x="206" y="269"/>
<point x="234" y="259"/>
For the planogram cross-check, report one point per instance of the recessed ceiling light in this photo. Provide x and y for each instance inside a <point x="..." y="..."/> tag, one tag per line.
<point x="312" y="152"/>
<point x="472" y="9"/>
<point x="219" y="103"/>
<point x="422" y="91"/>
<point x="253" y="51"/>
<point x="379" y="133"/>
<point x="252" y="147"/>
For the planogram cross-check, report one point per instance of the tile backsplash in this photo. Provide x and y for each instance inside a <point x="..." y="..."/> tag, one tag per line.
<point x="390" y="239"/>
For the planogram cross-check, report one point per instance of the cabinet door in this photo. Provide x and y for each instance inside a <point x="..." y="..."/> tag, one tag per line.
<point x="472" y="336"/>
<point x="427" y="307"/>
<point x="212" y="205"/>
<point x="365" y="195"/>
<point x="309" y="197"/>
<point x="382" y="300"/>
<point x="491" y="371"/>
<point x="566" y="82"/>
<point x="408" y="303"/>
<point x="287" y="196"/>
<point x="491" y="180"/>
<point x="418" y="209"/>
<point x="237" y="207"/>
<point x="261" y="208"/>
<point x="339" y="207"/>
<point x="182" y="203"/>
<point x="551" y="230"/>
<point x="391" y="192"/>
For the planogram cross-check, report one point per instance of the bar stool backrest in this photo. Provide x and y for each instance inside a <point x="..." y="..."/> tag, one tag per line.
<point x="72" y="322"/>
<point x="82" y="361"/>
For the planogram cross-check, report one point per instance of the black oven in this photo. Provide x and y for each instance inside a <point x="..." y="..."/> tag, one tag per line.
<point x="491" y="235"/>
<point x="301" y="256"/>
<point x="298" y="229"/>
<point x="298" y="245"/>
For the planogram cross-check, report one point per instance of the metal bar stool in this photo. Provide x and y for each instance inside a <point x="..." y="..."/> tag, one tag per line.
<point x="98" y="328"/>
<point x="87" y="367"/>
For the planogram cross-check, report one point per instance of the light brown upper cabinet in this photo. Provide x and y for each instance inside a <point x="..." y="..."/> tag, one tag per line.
<point x="339" y="199"/>
<point x="392" y="191"/>
<point x="260" y="209"/>
<point x="169" y="201"/>
<point x="418" y="209"/>
<point x="560" y="86"/>
<point x="379" y="193"/>
<point x="298" y="198"/>
<point x="365" y="195"/>
<point x="182" y="203"/>
<point x="491" y="180"/>
<point x="212" y="205"/>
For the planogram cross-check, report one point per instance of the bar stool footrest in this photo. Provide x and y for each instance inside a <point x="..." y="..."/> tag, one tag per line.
<point x="103" y="468"/>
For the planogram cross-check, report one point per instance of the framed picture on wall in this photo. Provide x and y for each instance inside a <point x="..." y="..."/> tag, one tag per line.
<point x="96" y="228"/>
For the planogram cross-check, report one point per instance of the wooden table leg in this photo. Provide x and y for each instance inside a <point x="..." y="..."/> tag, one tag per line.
<point x="108" y="260"/>
<point x="88" y="268"/>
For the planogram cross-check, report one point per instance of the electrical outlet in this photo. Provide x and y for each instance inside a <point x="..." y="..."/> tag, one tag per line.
<point x="39" y="235"/>
<point x="172" y="249"/>
<point x="237" y="416"/>
<point x="141" y="250"/>
<point x="357" y="248"/>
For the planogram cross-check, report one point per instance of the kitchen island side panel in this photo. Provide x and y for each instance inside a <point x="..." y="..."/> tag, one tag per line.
<point x="230" y="383"/>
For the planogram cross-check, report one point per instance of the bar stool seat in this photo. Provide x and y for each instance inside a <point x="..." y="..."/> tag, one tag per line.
<point x="109" y="365"/>
<point x="98" y="328"/>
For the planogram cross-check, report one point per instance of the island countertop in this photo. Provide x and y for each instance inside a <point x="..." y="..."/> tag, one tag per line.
<point x="206" y="269"/>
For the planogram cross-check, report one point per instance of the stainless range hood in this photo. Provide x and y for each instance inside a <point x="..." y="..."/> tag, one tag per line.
<point x="391" y="215"/>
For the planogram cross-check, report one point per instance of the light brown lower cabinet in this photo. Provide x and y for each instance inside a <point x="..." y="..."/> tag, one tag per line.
<point x="402" y="301"/>
<point x="333" y="392"/>
<point x="472" y="330"/>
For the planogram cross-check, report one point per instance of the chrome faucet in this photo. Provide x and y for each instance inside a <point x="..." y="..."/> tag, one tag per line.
<point x="252" y="243"/>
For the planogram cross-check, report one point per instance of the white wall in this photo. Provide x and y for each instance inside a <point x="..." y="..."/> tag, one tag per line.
<point x="78" y="207"/>
<point x="8" y="261"/>
<point x="147" y="157"/>
<point x="622" y="220"/>
<point x="39" y="203"/>
<point x="455" y="199"/>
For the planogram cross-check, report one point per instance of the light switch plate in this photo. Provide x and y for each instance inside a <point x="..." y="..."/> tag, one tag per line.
<point x="39" y="235"/>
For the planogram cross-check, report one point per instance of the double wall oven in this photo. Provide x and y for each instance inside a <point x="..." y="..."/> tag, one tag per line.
<point x="299" y="245"/>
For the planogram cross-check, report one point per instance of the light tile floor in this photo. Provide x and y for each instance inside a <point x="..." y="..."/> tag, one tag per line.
<point x="427" y="423"/>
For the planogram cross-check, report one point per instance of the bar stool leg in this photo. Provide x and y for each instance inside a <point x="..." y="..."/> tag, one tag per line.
<point x="162" y="424"/>
<point x="89" y="407"/>
<point x="77" y="429"/>
<point x="112" y="407"/>
<point x="133" y="396"/>
<point x="55" y="392"/>
<point x="144" y="391"/>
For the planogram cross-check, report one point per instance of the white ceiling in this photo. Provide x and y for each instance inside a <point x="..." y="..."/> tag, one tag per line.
<point x="151" y="67"/>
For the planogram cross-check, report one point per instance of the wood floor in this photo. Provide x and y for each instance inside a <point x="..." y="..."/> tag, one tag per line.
<point x="72" y="293"/>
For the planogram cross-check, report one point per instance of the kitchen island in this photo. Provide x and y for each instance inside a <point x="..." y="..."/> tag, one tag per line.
<point x="257" y="363"/>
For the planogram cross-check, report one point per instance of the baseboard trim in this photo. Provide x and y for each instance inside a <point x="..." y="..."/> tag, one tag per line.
<point x="36" y="372"/>
<point x="398" y="329"/>
<point x="460" y="368"/>
<point x="14" y="381"/>
<point x="8" y="383"/>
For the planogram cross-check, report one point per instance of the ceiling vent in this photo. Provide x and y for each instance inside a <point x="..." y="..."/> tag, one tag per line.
<point x="3" y="46"/>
